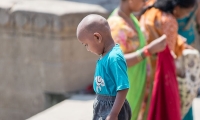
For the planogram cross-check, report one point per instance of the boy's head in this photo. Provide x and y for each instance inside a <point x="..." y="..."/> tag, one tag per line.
<point x="92" y="32"/>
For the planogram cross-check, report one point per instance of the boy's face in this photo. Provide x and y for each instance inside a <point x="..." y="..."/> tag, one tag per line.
<point x="92" y="43"/>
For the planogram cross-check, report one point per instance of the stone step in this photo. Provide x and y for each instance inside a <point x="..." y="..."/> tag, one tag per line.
<point x="79" y="107"/>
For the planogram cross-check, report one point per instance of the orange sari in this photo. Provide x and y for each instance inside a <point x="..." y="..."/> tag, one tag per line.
<point x="155" y="23"/>
<point x="165" y="102"/>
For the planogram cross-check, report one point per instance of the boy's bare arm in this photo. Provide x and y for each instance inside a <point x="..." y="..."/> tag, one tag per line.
<point x="119" y="101"/>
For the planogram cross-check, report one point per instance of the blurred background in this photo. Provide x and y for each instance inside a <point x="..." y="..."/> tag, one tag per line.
<point x="41" y="61"/>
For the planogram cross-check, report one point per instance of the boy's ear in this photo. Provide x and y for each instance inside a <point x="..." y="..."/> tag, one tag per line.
<point x="98" y="37"/>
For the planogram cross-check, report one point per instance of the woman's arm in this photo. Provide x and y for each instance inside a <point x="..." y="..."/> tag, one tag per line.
<point x="154" y="47"/>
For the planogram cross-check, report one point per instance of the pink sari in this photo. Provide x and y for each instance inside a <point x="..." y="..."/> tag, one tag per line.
<point x="165" y="103"/>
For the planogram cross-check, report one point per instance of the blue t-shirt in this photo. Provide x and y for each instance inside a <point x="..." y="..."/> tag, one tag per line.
<point x="111" y="73"/>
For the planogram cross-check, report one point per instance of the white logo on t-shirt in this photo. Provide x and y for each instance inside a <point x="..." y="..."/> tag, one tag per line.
<point x="99" y="82"/>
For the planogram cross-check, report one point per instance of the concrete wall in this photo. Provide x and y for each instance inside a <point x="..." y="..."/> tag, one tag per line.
<point x="109" y="5"/>
<point x="39" y="53"/>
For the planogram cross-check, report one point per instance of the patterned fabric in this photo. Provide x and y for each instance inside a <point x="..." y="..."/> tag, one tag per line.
<point x="187" y="30"/>
<point x="140" y="80"/>
<point x="123" y="34"/>
<point x="189" y="80"/>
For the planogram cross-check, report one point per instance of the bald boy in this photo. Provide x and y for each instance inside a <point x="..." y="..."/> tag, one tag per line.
<point x="110" y="79"/>
<point x="95" y="29"/>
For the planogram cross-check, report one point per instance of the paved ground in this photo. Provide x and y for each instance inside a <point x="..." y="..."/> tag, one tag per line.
<point x="79" y="107"/>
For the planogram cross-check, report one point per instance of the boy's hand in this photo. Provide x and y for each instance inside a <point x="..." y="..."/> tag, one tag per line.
<point x="157" y="45"/>
<point x="110" y="117"/>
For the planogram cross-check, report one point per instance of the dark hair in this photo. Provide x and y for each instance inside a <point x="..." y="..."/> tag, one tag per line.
<point x="169" y="5"/>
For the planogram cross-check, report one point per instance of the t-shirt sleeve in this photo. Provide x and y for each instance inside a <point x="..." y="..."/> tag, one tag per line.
<point x="118" y="73"/>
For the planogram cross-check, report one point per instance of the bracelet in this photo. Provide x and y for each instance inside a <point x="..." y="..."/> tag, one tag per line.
<point x="146" y="51"/>
<point x="139" y="55"/>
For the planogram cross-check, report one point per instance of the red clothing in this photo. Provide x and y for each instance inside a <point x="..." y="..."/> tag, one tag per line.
<point x="165" y="103"/>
